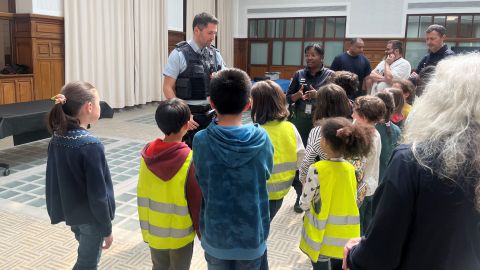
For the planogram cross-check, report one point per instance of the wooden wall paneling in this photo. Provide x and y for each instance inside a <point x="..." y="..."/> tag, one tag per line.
<point x="24" y="52"/>
<point x="24" y="90"/>
<point x="174" y="37"/>
<point x="7" y="87"/>
<point x="257" y="71"/>
<point x="58" y="79"/>
<point x="43" y="80"/>
<point x="240" y="53"/>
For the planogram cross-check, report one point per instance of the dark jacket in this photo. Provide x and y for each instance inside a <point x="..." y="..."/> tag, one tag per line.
<point x="432" y="59"/>
<point x="79" y="188"/>
<point x="421" y="222"/>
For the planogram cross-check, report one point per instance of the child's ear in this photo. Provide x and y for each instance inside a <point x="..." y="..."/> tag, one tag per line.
<point x="211" y="103"/>
<point x="247" y="106"/>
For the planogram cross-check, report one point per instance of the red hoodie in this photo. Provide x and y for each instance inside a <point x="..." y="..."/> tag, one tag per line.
<point x="165" y="159"/>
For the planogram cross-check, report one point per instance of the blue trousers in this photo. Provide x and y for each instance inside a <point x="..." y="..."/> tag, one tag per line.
<point x="89" y="246"/>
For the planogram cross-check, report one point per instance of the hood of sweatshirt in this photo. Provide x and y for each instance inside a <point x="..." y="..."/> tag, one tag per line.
<point x="165" y="159"/>
<point x="236" y="145"/>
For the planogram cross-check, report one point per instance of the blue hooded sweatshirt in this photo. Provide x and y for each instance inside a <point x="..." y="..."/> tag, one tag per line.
<point x="233" y="165"/>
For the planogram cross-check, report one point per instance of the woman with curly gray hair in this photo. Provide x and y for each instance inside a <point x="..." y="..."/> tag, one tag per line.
<point x="428" y="207"/>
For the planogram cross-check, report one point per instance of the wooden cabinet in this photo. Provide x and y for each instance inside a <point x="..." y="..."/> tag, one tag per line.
<point x="39" y="42"/>
<point x="16" y="88"/>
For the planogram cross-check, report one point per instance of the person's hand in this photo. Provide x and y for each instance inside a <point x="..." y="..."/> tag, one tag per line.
<point x="192" y="124"/>
<point x="414" y="75"/>
<point x="346" y="249"/>
<point x="310" y="94"/>
<point x="390" y="59"/>
<point x="107" y="242"/>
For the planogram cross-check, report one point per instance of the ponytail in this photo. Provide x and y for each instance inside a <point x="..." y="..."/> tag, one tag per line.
<point x="349" y="139"/>
<point x="63" y="115"/>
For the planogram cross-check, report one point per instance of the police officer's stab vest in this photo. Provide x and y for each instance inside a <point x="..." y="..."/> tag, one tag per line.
<point x="193" y="83"/>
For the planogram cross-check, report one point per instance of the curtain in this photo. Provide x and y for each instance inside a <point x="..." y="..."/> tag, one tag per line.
<point x="119" y="46"/>
<point x="225" y="30"/>
<point x="99" y="43"/>
<point x="151" y="49"/>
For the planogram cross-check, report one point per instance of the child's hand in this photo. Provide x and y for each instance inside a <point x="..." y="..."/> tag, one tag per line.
<point x="107" y="242"/>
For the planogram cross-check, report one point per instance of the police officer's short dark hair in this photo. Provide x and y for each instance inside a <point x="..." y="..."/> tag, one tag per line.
<point x="396" y="45"/>
<point x="172" y="115"/>
<point x="437" y="28"/>
<point x="230" y="90"/>
<point x="203" y="19"/>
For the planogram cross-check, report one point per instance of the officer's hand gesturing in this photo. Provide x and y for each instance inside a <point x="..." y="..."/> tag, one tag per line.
<point x="192" y="124"/>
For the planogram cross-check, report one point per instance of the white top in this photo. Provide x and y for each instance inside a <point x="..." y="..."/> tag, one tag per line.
<point x="400" y="71"/>
<point x="313" y="150"/>
<point x="372" y="165"/>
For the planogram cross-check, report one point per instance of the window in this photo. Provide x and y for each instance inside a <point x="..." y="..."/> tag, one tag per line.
<point x="463" y="30"/>
<point x="286" y="39"/>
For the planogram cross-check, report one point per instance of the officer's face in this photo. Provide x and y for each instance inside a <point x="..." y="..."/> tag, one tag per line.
<point x="206" y="36"/>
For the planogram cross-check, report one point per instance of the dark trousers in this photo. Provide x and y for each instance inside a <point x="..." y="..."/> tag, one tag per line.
<point x="203" y="119"/>
<point x="274" y="207"/>
<point x="172" y="259"/>
<point x="335" y="264"/>
<point x="366" y="214"/>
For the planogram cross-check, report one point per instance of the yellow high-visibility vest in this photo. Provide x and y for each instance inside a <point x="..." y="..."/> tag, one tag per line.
<point x="162" y="208"/>
<point x="327" y="232"/>
<point x="282" y="135"/>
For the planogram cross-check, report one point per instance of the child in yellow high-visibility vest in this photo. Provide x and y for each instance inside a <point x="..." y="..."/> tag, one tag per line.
<point x="329" y="194"/>
<point x="269" y="109"/>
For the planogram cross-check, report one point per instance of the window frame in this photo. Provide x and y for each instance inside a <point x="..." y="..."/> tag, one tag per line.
<point x="303" y="39"/>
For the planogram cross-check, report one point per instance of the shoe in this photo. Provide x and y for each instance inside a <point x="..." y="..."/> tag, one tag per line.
<point x="297" y="207"/>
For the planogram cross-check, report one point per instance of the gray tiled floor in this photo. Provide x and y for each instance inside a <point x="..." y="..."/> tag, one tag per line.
<point x="29" y="241"/>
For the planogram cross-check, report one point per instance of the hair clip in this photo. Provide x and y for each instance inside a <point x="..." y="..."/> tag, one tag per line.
<point x="59" y="98"/>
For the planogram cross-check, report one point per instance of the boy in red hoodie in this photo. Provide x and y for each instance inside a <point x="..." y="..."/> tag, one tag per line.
<point x="168" y="194"/>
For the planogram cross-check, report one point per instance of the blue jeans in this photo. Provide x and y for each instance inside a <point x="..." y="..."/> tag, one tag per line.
<point x="89" y="246"/>
<point x="219" y="264"/>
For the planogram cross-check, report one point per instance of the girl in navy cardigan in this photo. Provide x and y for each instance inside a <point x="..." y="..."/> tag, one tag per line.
<point x="79" y="188"/>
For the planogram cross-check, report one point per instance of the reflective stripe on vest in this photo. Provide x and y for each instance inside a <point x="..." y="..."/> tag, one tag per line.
<point x="320" y="224"/>
<point x="162" y="208"/>
<point x="282" y="135"/>
<point x="326" y="233"/>
<point x="165" y="232"/>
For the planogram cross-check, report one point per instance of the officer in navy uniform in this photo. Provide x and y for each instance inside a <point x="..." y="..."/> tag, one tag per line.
<point x="189" y="69"/>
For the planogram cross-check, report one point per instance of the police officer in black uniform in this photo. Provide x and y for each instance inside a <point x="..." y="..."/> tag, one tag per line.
<point x="189" y="69"/>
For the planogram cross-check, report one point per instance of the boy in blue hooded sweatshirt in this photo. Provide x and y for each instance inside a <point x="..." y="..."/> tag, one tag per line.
<point x="233" y="163"/>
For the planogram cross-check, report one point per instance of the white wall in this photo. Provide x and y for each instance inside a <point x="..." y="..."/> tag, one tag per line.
<point x="175" y="15"/>
<point x="365" y="18"/>
<point x="43" y="7"/>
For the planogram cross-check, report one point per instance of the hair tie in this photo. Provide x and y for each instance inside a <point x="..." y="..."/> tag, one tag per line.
<point x="343" y="132"/>
<point x="59" y="98"/>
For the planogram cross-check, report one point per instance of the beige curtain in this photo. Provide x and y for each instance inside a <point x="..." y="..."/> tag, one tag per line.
<point x="151" y="49"/>
<point x="99" y="47"/>
<point x="225" y="30"/>
<point x="119" y="46"/>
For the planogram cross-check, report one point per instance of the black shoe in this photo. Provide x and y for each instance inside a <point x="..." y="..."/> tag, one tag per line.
<point x="297" y="207"/>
